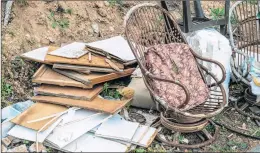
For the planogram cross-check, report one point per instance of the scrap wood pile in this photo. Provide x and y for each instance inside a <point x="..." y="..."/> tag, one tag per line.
<point x="68" y="113"/>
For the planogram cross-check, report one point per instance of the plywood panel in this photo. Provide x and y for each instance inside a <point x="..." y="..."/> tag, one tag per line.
<point x="81" y="68"/>
<point x="46" y="75"/>
<point x="37" y="111"/>
<point x="97" y="60"/>
<point x="69" y="92"/>
<point x="95" y="78"/>
<point x="98" y="104"/>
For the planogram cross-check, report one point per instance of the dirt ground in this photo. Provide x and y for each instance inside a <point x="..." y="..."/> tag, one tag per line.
<point x="35" y="24"/>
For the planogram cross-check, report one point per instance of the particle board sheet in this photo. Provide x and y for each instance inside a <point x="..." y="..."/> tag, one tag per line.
<point x="37" y="111"/>
<point x="47" y="76"/>
<point x="96" y="60"/>
<point x="97" y="104"/>
<point x="37" y="55"/>
<point x="69" y="92"/>
<point x="81" y="68"/>
<point x="73" y="50"/>
<point x="116" y="46"/>
<point x="118" y="128"/>
<point x="94" y="78"/>
<point x="90" y="143"/>
<point x="80" y="123"/>
<point x="24" y="133"/>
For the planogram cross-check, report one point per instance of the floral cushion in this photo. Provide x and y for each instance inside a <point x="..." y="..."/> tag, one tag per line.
<point x="176" y="62"/>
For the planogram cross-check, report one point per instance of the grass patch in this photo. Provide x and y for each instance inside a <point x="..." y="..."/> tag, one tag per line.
<point x="110" y="92"/>
<point x="57" y="19"/>
<point x="7" y="89"/>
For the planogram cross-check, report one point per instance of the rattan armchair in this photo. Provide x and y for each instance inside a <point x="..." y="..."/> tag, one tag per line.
<point x="147" y="25"/>
<point x="244" y="31"/>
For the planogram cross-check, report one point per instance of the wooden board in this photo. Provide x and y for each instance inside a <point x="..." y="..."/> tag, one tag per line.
<point x="81" y="68"/>
<point x="97" y="60"/>
<point x="94" y="78"/>
<point x="97" y="104"/>
<point x="37" y="111"/>
<point x="69" y="92"/>
<point x="46" y="75"/>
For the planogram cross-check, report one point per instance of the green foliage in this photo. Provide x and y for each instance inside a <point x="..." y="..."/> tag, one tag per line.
<point x="258" y="15"/>
<point x="22" y="2"/>
<point x="253" y="2"/>
<point x="62" y="23"/>
<point x="7" y="89"/>
<point x="217" y="13"/>
<point x="140" y="150"/>
<point x="110" y="92"/>
<point x="114" y="2"/>
<point x="210" y="128"/>
<point x="181" y="138"/>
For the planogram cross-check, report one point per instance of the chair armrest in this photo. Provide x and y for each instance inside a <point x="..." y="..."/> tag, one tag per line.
<point x="218" y="64"/>
<point x="187" y="98"/>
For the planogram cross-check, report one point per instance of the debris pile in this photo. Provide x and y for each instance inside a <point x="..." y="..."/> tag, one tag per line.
<point x="69" y="114"/>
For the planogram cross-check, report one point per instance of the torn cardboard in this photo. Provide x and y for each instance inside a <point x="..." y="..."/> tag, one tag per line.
<point x="46" y="75"/>
<point x="98" y="104"/>
<point x="36" y="111"/>
<point x="69" y="92"/>
<point x="96" y="60"/>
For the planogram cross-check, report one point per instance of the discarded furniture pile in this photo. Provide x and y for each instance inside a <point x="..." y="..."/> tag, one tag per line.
<point x="174" y="75"/>
<point x="68" y="113"/>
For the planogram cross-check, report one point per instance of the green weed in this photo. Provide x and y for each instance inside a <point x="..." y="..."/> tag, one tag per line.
<point x="114" y="2"/>
<point x="140" y="150"/>
<point x="217" y="13"/>
<point x="62" y="23"/>
<point x="7" y="89"/>
<point x="22" y="2"/>
<point x="110" y="92"/>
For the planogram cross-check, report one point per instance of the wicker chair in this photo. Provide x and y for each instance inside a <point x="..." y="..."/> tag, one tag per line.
<point x="147" y="25"/>
<point x="244" y="31"/>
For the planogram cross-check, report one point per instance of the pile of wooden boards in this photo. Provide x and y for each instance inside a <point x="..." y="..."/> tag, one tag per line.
<point x="68" y="109"/>
<point x="73" y="75"/>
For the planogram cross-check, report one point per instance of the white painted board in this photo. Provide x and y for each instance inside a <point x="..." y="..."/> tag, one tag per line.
<point x="73" y="50"/>
<point x="37" y="55"/>
<point x="62" y="135"/>
<point x="116" y="46"/>
<point x="117" y="128"/>
<point x="90" y="143"/>
<point x="30" y="134"/>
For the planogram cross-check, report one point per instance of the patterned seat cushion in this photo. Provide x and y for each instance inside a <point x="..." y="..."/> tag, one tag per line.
<point x="176" y="62"/>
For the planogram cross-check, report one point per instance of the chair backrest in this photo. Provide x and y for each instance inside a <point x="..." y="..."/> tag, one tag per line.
<point x="244" y="28"/>
<point x="147" y="25"/>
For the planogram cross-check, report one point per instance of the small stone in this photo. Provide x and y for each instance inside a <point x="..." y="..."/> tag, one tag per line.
<point x="51" y="39"/>
<point x="3" y="148"/>
<point x="99" y="4"/>
<point x="106" y="3"/>
<point x="95" y="27"/>
<point x="102" y="12"/>
<point x="112" y="29"/>
<point x="41" y="148"/>
<point x="45" y="41"/>
<point x="6" y="141"/>
<point x="21" y="148"/>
